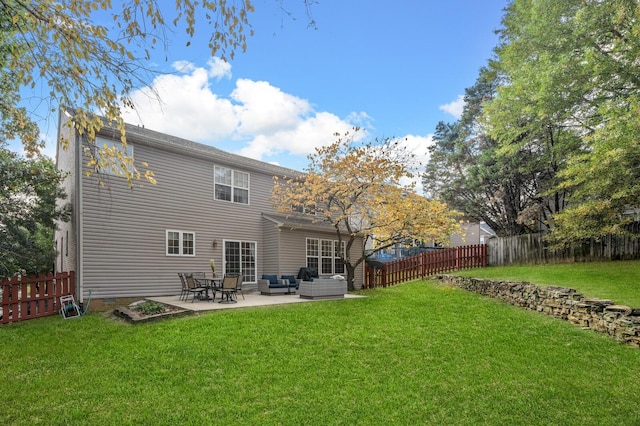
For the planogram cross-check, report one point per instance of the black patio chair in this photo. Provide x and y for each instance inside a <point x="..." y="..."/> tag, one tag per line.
<point x="185" y="288"/>
<point x="229" y="288"/>
<point x="193" y="287"/>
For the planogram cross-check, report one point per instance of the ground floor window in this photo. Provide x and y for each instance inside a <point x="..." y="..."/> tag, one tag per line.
<point x="326" y="256"/>
<point x="240" y="258"/>
<point x="180" y="243"/>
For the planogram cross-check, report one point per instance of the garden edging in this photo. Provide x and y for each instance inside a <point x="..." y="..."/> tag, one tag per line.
<point x="619" y="321"/>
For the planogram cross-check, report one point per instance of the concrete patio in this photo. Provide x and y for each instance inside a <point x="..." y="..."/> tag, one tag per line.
<point x="251" y="299"/>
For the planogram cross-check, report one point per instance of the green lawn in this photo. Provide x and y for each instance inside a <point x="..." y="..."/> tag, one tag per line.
<point x="618" y="281"/>
<point x="418" y="353"/>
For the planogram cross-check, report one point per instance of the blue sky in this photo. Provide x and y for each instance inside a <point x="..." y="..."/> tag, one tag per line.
<point x="394" y="68"/>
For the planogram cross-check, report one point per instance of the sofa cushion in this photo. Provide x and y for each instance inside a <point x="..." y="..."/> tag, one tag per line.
<point x="291" y="278"/>
<point x="278" y="286"/>
<point x="273" y="279"/>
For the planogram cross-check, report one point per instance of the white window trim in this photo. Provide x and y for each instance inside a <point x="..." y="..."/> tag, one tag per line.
<point x="225" y="261"/>
<point x="110" y="143"/>
<point x="232" y="185"/>
<point x="180" y="243"/>
<point x="319" y="257"/>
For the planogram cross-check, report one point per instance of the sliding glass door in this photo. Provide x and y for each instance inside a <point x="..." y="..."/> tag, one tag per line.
<point x="240" y="258"/>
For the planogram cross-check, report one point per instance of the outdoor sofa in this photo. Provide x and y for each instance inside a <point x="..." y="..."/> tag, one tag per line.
<point x="323" y="288"/>
<point x="270" y="284"/>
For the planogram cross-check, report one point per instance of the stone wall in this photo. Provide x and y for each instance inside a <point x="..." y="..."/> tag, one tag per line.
<point x="620" y="322"/>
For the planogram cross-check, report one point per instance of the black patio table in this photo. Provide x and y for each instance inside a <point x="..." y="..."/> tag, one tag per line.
<point x="212" y="284"/>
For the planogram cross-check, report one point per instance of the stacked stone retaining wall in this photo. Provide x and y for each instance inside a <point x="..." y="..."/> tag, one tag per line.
<point x="620" y="322"/>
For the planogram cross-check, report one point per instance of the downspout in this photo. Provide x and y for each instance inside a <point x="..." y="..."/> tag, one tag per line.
<point x="79" y="218"/>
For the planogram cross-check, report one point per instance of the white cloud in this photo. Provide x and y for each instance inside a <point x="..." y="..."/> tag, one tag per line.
<point x="264" y="109"/>
<point x="188" y="107"/>
<point x="219" y="68"/>
<point x="301" y="139"/>
<point x="454" y="108"/>
<point x="259" y="118"/>
<point x="419" y="147"/>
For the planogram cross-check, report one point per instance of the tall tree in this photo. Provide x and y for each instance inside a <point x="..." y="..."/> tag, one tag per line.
<point x="29" y="206"/>
<point x="472" y="172"/>
<point x="357" y="188"/>
<point x="572" y="74"/>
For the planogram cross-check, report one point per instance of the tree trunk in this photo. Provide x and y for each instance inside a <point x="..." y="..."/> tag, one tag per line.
<point x="351" y="276"/>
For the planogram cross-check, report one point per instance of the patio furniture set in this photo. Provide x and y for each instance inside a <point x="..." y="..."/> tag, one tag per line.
<point x="198" y="286"/>
<point x="308" y="285"/>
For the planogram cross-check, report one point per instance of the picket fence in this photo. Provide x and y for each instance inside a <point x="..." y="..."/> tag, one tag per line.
<point x="34" y="296"/>
<point x="425" y="264"/>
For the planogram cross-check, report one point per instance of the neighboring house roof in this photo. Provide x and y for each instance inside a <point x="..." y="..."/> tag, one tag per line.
<point x="486" y="228"/>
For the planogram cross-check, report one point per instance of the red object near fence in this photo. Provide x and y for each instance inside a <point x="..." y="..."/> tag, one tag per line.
<point x="425" y="264"/>
<point x="33" y="296"/>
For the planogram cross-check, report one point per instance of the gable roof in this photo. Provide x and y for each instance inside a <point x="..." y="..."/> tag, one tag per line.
<point x="142" y="136"/>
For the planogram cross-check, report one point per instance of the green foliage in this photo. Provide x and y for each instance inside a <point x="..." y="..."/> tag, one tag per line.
<point x="149" y="307"/>
<point x="420" y="353"/>
<point x="615" y="280"/>
<point x="502" y="184"/>
<point x="572" y="94"/>
<point x="29" y="193"/>
<point x="14" y="121"/>
<point x="91" y="65"/>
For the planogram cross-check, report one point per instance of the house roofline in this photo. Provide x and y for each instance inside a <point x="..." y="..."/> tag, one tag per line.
<point x="142" y="136"/>
<point x="302" y="223"/>
<point x="298" y="223"/>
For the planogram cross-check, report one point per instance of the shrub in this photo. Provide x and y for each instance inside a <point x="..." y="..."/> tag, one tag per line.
<point x="151" y="308"/>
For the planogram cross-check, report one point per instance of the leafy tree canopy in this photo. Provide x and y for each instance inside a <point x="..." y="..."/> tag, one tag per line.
<point x="572" y="93"/>
<point x="472" y="172"/>
<point x="358" y="190"/>
<point x="29" y="206"/>
<point x="90" y="55"/>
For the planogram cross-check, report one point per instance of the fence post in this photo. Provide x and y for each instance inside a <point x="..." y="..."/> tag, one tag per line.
<point x="484" y="255"/>
<point x="383" y="275"/>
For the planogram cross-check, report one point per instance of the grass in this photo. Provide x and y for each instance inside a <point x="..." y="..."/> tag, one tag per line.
<point x="618" y="281"/>
<point x="418" y="353"/>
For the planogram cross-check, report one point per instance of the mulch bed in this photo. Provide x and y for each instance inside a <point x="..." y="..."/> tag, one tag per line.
<point x="135" y="316"/>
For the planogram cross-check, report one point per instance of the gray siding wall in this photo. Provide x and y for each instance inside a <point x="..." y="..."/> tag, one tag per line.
<point x="125" y="229"/>
<point x="271" y="249"/>
<point x="293" y="251"/>
<point x="122" y="247"/>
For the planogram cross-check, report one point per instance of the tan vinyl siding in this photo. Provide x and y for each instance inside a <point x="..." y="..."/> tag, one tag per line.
<point x="122" y="242"/>
<point x="293" y="251"/>
<point x="270" y="251"/>
<point x="125" y="229"/>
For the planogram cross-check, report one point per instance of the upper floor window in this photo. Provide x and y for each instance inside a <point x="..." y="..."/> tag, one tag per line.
<point x="308" y="208"/>
<point x="181" y="243"/>
<point x="231" y="185"/>
<point x="304" y="209"/>
<point x="107" y="151"/>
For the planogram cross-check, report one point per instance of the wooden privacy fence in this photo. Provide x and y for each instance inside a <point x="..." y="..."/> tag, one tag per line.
<point x="33" y="296"/>
<point x="425" y="264"/>
<point x="535" y="249"/>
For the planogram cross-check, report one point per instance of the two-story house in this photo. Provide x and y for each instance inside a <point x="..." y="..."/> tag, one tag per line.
<point x="207" y="204"/>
